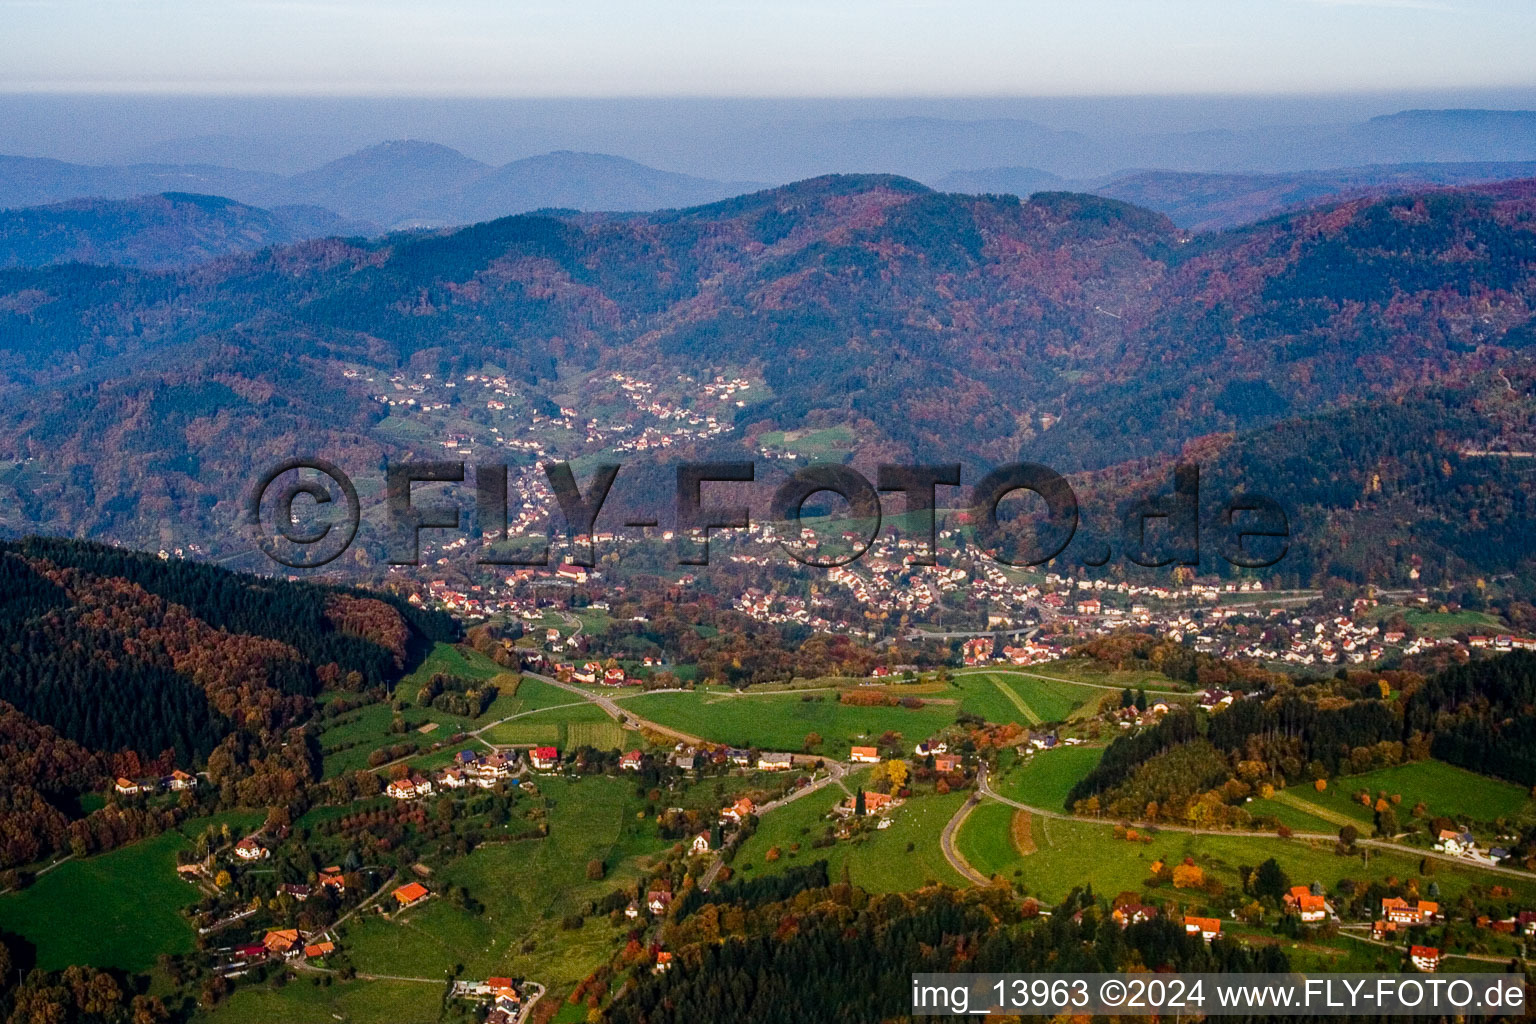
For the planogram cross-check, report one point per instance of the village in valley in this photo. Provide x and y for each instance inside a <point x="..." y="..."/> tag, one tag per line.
<point x="534" y="816"/>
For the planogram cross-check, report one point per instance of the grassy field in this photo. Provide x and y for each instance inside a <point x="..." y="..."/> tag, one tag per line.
<point x="1003" y="696"/>
<point x="1046" y="778"/>
<point x="1441" y="624"/>
<point x="881" y="863"/>
<point x="301" y="1001"/>
<point x="1444" y="789"/>
<point x="1072" y="853"/>
<point x="604" y="735"/>
<point x="811" y="444"/>
<point x="1097" y="674"/>
<point x="527" y="887"/>
<point x="118" y="909"/>
<point x="553" y="725"/>
<point x="781" y="721"/>
<point x="368" y="727"/>
<point x="450" y="659"/>
<point x="986" y="841"/>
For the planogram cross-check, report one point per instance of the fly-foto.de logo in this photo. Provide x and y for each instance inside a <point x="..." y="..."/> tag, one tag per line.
<point x="307" y="521"/>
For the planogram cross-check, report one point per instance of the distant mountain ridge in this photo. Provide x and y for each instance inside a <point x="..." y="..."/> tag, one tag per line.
<point x="398" y="184"/>
<point x="165" y="231"/>
<point x="1074" y="330"/>
<point x="580" y="181"/>
<point x="33" y="181"/>
<point x="385" y="183"/>
<point x="1213" y="202"/>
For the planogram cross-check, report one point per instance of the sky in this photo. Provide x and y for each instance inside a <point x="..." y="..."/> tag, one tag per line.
<point x="762" y="48"/>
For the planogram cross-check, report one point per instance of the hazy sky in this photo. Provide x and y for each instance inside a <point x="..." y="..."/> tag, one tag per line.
<point x="764" y="47"/>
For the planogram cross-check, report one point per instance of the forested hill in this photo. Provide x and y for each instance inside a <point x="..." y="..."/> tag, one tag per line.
<point x="1068" y="329"/>
<point x="1202" y="768"/>
<point x="175" y="229"/>
<point x="117" y="663"/>
<point x="800" y="959"/>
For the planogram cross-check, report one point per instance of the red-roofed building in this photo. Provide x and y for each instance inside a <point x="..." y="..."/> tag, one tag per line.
<point x="410" y="894"/>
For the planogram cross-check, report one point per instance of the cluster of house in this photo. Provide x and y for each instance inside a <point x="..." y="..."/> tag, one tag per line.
<point x="330" y="880"/>
<point x="1311" y="907"/>
<point x="505" y="999"/>
<point x="277" y="944"/>
<point x="656" y="902"/>
<point x="175" y="782"/>
<point x="1461" y="844"/>
<point x="687" y="757"/>
<point x="469" y="768"/>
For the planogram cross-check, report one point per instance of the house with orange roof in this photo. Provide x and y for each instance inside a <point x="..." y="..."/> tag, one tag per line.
<point x="737" y="811"/>
<point x="319" y="949"/>
<point x="411" y="894"/>
<point x="1205" y="927"/>
<point x="864" y="755"/>
<point x="1308" y="907"/>
<point x="1425" y="958"/>
<point x="1400" y="911"/>
<point x="282" y="942"/>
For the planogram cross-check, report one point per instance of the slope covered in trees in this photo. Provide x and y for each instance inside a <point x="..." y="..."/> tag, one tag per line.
<point x="116" y="663"/>
<point x="802" y="959"/>
<point x="1202" y="767"/>
<point x="1074" y="330"/>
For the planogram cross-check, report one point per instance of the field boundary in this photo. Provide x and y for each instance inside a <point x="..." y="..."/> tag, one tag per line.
<point x="1018" y="702"/>
<point x="1327" y="814"/>
<point x="1021" y="830"/>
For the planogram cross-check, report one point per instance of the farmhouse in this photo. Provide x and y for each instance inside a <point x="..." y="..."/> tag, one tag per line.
<point x="1128" y="914"/>
<point x="180" y="780"/>
<point x="1214" y="700"/>
<point x="737" y="811"/>
<point x="1310" y="908"/>
<point x="318" y="950"/>
<point x="1400" y="911"/>
<point x="409" y="788"/>
<point x="864" y="755"/>
<point x="1205" y="927"/>
<point x="249" y="849"/>
<point x="284" y="942"/>
<point x="127" y="787"/>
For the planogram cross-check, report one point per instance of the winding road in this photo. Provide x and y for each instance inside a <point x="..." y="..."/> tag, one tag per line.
<point x="984" y="789"/>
